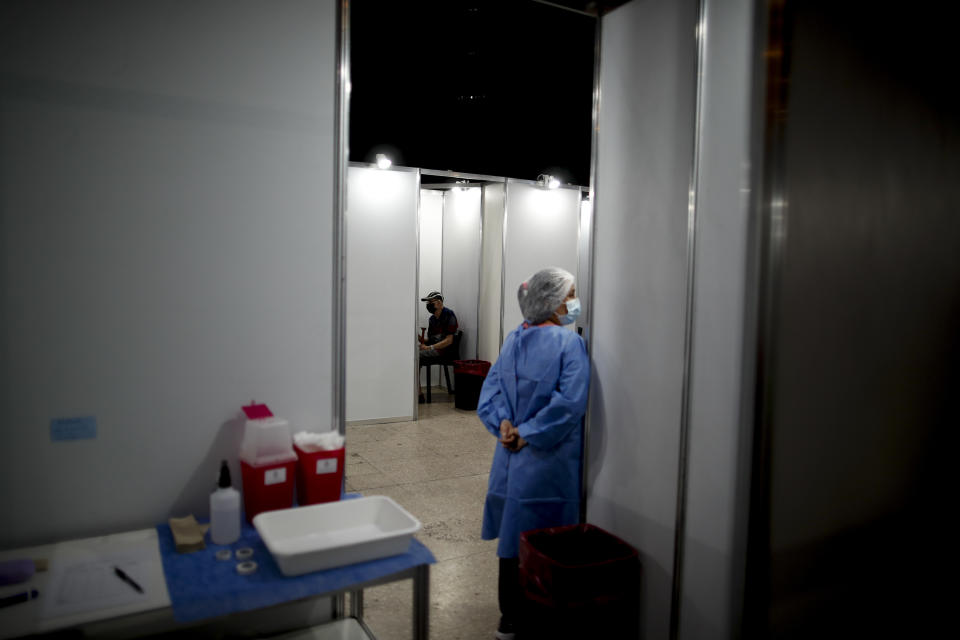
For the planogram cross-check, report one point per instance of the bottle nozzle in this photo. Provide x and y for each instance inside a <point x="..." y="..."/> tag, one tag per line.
<point x="224" y="481"/>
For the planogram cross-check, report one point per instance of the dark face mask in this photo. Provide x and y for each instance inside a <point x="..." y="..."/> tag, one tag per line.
<point x="431" y="307"/>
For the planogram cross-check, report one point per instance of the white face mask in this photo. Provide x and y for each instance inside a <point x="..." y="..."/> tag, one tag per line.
<point x="573" y="312"/>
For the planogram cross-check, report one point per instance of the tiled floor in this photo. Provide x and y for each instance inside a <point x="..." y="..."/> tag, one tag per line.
<point x="437" y="469"/>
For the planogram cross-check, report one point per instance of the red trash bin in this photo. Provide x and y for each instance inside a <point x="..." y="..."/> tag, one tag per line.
<point x="319" y="474"/>
<point x="268" y="464"/>
<point x="468" y="381"/>
<point x="267" y="486"/>
<point x="578" y="579"/>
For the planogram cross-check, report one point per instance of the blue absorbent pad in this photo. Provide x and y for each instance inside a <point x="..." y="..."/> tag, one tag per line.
<point x="200" y="586"/>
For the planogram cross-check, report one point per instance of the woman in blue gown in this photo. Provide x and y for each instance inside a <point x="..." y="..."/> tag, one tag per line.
<point x="533" y="400"/>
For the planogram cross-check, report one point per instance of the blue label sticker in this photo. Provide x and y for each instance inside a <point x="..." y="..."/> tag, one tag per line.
<point x="73" y="428"/>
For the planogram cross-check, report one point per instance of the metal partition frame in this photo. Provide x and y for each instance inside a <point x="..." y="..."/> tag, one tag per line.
<point x="534" y="183"/>
<point x="457" y="174"/>
<point x="595" y="115"/>
<point x="341" y="144"/>
<point x="416" y="295"/>
<point x="767" y="246"/>
<point x="483" y="208"/>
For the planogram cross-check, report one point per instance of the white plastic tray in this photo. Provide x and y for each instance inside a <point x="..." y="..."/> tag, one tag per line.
<point x="334" y="534"/>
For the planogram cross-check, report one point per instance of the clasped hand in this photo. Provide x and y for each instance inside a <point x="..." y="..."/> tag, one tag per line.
<point x="510" y="436"/>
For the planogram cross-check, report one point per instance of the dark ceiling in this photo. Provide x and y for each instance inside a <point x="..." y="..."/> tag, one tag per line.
<point x="497" y="87"/>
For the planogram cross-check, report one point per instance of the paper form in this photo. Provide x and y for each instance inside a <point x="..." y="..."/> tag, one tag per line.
<point x="88" y="583"/>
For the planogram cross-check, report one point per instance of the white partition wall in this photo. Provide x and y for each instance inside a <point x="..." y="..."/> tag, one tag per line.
<point x="542" y="229"/>
<point x="645" y="154"/>
<point x="491" y="271"/>
<point x="381" y="282"/>
<point x="461" y="261"/>
<point x="166" y="245"/>
<point x="431" y="249"/>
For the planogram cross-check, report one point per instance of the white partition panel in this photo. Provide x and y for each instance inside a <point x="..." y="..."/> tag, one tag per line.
<point x="165" y="249"/>
<point x="431" y="256"/>
<point x="645" y="146"/>
<point x="461" y="261"/>
<point x="542" y="231"/>
<point x="491" y="270"/>
<point x="583" y="268"/>
<point x="381" y="271"/>
<point x="431" y="249"/>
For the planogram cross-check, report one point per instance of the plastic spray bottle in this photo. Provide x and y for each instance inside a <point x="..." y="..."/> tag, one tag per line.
<point x="224" y="510"/>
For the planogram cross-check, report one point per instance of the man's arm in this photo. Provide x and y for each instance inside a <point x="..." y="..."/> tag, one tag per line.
<point x="446" y="342"/>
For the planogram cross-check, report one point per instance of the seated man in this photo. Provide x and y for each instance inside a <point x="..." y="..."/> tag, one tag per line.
<point x="442" y="329"/>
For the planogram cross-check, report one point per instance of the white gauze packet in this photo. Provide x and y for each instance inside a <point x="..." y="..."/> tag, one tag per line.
<point x="327" y="441"/>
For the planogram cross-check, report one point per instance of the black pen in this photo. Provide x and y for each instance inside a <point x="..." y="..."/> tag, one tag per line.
<point x="127" y="579"/>
<point x="18" y="598"/>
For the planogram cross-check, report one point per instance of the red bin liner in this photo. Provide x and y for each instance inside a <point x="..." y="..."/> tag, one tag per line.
<point x="577" y="567"/>
<point x="471" y="367"/>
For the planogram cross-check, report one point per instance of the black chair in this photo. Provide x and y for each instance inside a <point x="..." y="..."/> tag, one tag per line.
<point x="445" y="361"/>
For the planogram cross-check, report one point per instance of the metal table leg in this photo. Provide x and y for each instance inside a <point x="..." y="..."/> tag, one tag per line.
<point x="421" y="602"/>
<point x="356" y="604"/>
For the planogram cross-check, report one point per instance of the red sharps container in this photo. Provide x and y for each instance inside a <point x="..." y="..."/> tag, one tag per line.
<point x="267" y="462"/>
<point x="319" y="473"/>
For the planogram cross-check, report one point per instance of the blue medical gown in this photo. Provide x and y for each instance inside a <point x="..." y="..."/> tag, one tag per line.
<point x="540" y="384"/>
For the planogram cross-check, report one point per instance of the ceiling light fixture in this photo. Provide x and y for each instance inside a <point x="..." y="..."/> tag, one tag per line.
<point x="547" y="181"/>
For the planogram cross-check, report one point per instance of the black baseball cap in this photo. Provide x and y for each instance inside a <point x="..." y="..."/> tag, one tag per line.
<point x="433" y="295"/>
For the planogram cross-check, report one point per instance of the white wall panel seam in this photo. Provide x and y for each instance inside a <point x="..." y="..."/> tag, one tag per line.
<point x="443" y="221"/>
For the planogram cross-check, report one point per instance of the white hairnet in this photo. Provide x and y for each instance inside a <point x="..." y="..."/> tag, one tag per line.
<point x="542" y="293"/>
